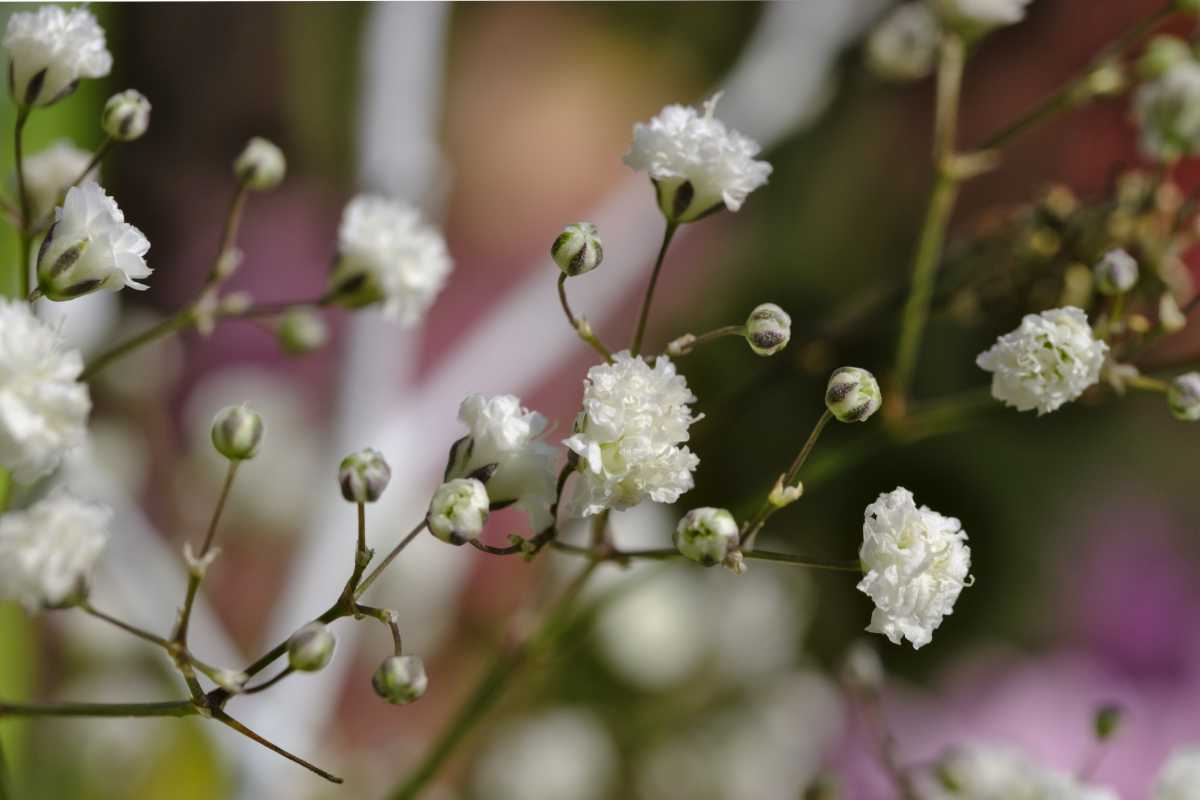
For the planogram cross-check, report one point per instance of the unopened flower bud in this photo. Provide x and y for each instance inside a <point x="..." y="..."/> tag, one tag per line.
<point x="364" y="475"/>
<point x="400" y="679"/>
<point x="261" y="165"/>
<point x="311" y="648"/>
<point x="1183" y="396"/>
<point x="782" y="496"/>
<point x="126" y="115"/>
<point x="236" y="432"/>
<point x="903" y="46"/>
<point x="768" y="329"/>
<point x="1116" y="272"/>
<point x="707" y="535"/>
<point x="578" y="249"/>
<point x="853" y="394"/>
<point x="302" y="330"/>
<point x="459" y="510"/>
<point x="1162" y="53"/>
<point x="1170" y="315"/>
<point x="681" y="346"/>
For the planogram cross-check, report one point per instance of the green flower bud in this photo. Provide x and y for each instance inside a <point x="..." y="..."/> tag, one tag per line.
<point x="1183" y="396"/>
<point x="578" y="249"/>
<point x="364" y="475"/>
<point x="236" y="432"/>
<point x="1162" y="53"/>
<point x="126" y="115"/>
<point x="707" y="535"/>
<point x="301" y="331"/>
<point x="400" y="679"/>
<point x="1116" y="272"/>
<point x="768" y="329"/>
<point x="459" y="510"/>
<point x="853" y="394"/>
<point x="311" y="648"/>
<point x="260" y="166"/>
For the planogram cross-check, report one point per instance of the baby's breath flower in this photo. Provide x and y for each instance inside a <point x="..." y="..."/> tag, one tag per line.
<point x="43" y="406"/>
<point x="916" y="563"/>
<point x="49" y="172"/>
<point x="400" y="679"/>
<point x="1116" y="272"/>
<point x="852" y="394"/>
<point x="387" y="255"/>
<point x="1049" y="360"/>
<point x="977" y="16"/>
<point x="629" y="435"/>
<point x="578" y="249"/>
<point x="1162" y="53"/>
<point x="1180" y="776"/>
<point x="696" y="163"/>
<point x="126" y="116"/>
<point x="261" y="165"/>
<point x="364" y="475"/>
<point x="311" y="648"/>
<point x="50" y="50"/>
<point x="903" y="46"/>
<point x="706" y="535"/>
<point x="768" y="329"/>
<point x="458" y="510"/>
<point x="47" y="550"/>
<point x="991" y="772"/>
<point x="237" y="432"/>
<point x="1183" y="396"/>
<point x="1167" y="111"/>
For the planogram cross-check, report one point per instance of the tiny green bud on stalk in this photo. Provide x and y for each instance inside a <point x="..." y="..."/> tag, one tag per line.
<point x="578" y="249"/>
<point x="261" y="165"/>
<point x="782" y="496"/>
<point x="459" y="510"/>
<point x="1183" y="396"/>
<point x="400" y="679"/>
<point x="364" y="475"/>
<point x="311" y="648"/>
<point x="853" y="394"/>
<point x="302" y="330"/>
<point x="1116" y="273"/>
<point x="1170" y="315"/>
<point x="768" y="329"/>
<point x="237" y="432"/>
<point x="126" y="116"/>
<point x="707" y="535"/>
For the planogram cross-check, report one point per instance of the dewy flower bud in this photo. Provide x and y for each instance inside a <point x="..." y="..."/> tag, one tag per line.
<point x="126" y="115"/>
<point x="707" y="535"/>
<point x="1162" y="53"/>
<point x="400" y="679"/>
<point x="311" y="648"/>
<point x="302" y="330"/>
<point x="768" y="329"/>
<point x="853" y="394"/>
<point x="578" y="249"/>
<point x="261" y="165"/>
<point x="1116" y="272"/>
<point x="364" y="475"/>
<point x="1183" y="396"/>
<point x="459" y="510"/>
<point x="236" y="432"/>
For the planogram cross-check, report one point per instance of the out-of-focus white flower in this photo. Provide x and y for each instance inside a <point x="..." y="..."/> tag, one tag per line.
<point x="1167" y="112"/>
<point x="1180" y="776"/>
<point x="975" y="16"/>
<point x="991" y="772"/>
<point x="696" y="163"/>
<point x="126" y="115"/>
<point x="706" y="535"/>
<point x="261" y="165"/>
<point x="387" y="255"/>
<point x="43" y="406"/>
<point x="1183" y="396"/>
<point x="48" y="172"/>
<point x="50" y="49"/>
<point x="904" y="45"/>
<point x="916" y="563"/>
<point x="1116" y="272"/>
<point x="1049" y="360"/>
<point x="554" y="755"/>
<point x="458" y="510"/>
<point x="90" y="247"/>
<point x="504" y="433"/>
<point x="47" y="549"/>
<point x="628" y="436"/>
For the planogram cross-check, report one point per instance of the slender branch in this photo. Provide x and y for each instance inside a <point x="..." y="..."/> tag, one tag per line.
<point x="140" y="633"/>
<point x="685" y="344"/>
<point x="24" y="239"/>
<point x="388" y="618"/>
<point x="375" y="573"/>
<point x="267" y="684"/>
<point x="196" y="575"/>
<point x="176" y="322"/>
<point x="230" y="722"/>
<point x="5" y="793"/>
<point x="94" y="161"/>
<point x="581" y="326"/>
<point x="171" y="708"/>
<point x="755" y="523"/>
<point x="644" y="314"/>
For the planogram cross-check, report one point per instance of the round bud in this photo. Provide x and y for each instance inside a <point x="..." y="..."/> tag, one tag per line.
<point x="236" y="432"/>
<point x="261" y="165"/>
<point x="1162" y="53"/>
<point x="126" y="115"/>
<point x="311" y="648"/>
<point x="459" y="510"/>
<point x="364" y="475"/>
<point x="400" y="679"/>
<point x="706" y="535"/>
<point x="302" y="330"/>
<point x="1116" y="272"/>
<point x="1183" y="396"/>
<point x="853" y="394"/>
<point x="768" y="329"/>
<point x="904" y="45"/>
<point x="578" y="249"/>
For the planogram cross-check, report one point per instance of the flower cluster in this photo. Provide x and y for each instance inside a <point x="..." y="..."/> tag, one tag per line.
<point x="1167" y="110"/>
<point x="50" y="50"/>
<point x="49" y="172"/>
<point x="990" y="772"/>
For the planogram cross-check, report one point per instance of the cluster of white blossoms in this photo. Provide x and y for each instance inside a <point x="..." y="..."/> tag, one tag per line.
<point x="990" y="772"/>
<point x="916" y="563"/>
<point x="51" y="49"/>
<point x="1051" y="359"/>
<point x="387" y="255"/>
<point x="50" y="171"/>
<point x="630" y="433"/>
<point x="697" y="164"/>
<point x="1167" y="111"/>
<point x="1179" y="778"/>
<point x="48" y="548"/>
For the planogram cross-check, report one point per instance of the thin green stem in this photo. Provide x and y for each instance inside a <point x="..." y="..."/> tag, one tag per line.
<point x="178" y="321"/>
<point x="196" y="573"/>
<point x="94" y="161"/>
<point x="755" y="523"/>
<point x="644" y="314"/>
<point x="172" y="708"/>
<point x="685" y="344"/>
<point x="5" y="794"/>
<point x="581" y="326"/>
<point x="230" y="722"/>
<point x="267" y="684"/>
<point x="375" y="573"/>
<point x="25" y="240"/>
<point x="133" y="630"/>
<point x="388" y="618"/>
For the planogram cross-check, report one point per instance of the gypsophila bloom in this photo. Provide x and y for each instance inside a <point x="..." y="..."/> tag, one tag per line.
<point x="261" y="165"/>
<point x="503" y="432"/>
<point x="768" y="329"/>
<point x="311" y="648"/>
<point x="706" y="535"/>
<point x="126" y="116"/>
<point x="387" y="255"/>
<point x="1116" y="272"/>
<point x="990" y="772"/>
<point x="1183" y="396"/>
<point x="977" y="16"/>
<point x="48" y="549"/>
<point x="90" y="247"/>
<point x="1167" y="111"/>
<point x="237" y="432"/>
<point x="43" y="406"/>
<point x="578" y="249"/>
<point x="1161" y="53"/>
<point x="852" y="394"/>
<point x="696" y="163"/>
<point x="1179" y="778"/>
<point x="49" y="172"/>
<point x="364" y="475"/>
<point x="1049" y="360"/>
<point x="916" y="562"/>
<point x="50" y="50"/>
<point x="400" y="679"/>
<point x="629" y="435"/>
<point x="458" y="510"/>
<point x="903" y="46"/>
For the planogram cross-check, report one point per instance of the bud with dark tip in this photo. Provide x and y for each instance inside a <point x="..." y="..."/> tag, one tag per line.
<point x="126" y="115"/>
<point x="578" y="249"/>
<point x="237" y="432"/>
<point x="311" y="648"/>
<point x="706" y="535"/>
<point x="400" y="679"/>
<point x="1183" y="396"/>
<point x="364" y="475"/>
<point x="768" y="329"/>
<point x="459" y="510"/>
<point x="853" y="394"/>
<point x="261" y="165"/>
<point x="1116" y="272"/>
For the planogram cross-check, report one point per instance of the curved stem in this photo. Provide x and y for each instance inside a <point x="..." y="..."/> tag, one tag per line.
<point x="375" y="573"/>
<point x="171" y="708"/>
<point x="267" y="684"/>
<point x="644" y="314"/>
<point x="230" y="722"/>
<point x="388" y="618"/>
<point x="171" y="324"/>
<point x="196" y="574"/>
<point x="581" y="326"/>
<point x="755" y="523"/>
<point x="24" y="238"/>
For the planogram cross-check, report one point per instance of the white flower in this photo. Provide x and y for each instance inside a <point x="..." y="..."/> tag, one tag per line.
<point x="628" y="436"/>
<point x="126" y="115"/>
<point x="979" y="15"/>
<point x="904" y="45"/>
<point x="458" y="510"/>
<point x="47" y="549"/>
<point x="261" y="165"/>
<point x="1167" y="112"/>
<point x="388" y="255"/>
<point x="916" y="563"/>
<point x="50" y="49"/>
<point x="990" y="772"/>
<point x="560" y="754"/>
<point x="90" y="247"/>
<point x="1050" y="360"/>
<point x="504" y="433"/>
<point x="50" y="171"/>
<point x="43" y="406"/>
<point x="697" y="164"/>
<point x="1180" y="776"/>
